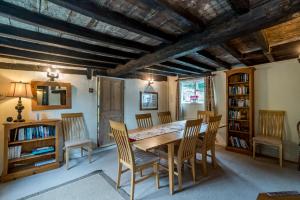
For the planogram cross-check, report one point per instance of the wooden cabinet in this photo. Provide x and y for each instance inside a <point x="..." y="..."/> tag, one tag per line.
<point x="30" y="147"/>
<point x="240" y="109"/>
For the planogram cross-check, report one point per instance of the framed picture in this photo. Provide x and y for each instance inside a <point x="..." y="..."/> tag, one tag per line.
<point x="148" y="101"/>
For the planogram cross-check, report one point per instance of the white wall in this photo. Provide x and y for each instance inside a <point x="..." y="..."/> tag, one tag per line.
<point x="277" y="87"/>
<point x="132" y="100"/>
<point x="82" y="100"/>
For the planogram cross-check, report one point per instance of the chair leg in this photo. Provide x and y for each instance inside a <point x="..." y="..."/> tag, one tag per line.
<point x="280" y="155"/>
<point x="81" y="149"/>
<point x="179" y="171"/>
<point x="156" y="170"/>
<point x="132" y="185"/>
<point x="254" y="149"/>
<point x="119" y="174"/>
<point x="90" y="153"/>
<point x="204" y="163"/>
<point x="299" y="161"/>
<point x="213" y="157"/>
<point x="192" y="160"/>
<point x="67" y="154"/>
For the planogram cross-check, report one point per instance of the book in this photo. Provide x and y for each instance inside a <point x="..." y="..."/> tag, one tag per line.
<point x="44" y="162"/>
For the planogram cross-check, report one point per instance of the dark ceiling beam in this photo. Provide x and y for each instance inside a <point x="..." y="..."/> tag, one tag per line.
<point x="193" y="63"/>
<point x="103" y="14"/>
<point x="269" y="14"/>
<point x="234" y="53"/>
<point x="165" y="6"/>
<point x="31" y="36"/>
<point x="240" y="6"/>
<point x="214" y="59"/>
<point x="21" y="14"/>
<point x="157" y="72"/>
<point x="52" y="58"/>
<point x="42" y="68"/>
<point x="198" y="24"/>
<point x="39" y="48"/>
<point x="145" y="76"/>
<point x="180" y="67"/>
<point x="262" y="41"/>
<point x="168" y="70"/>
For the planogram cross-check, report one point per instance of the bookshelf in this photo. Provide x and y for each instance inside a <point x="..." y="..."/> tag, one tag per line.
<point x="30" y="147"/>
<point x="240" y="109"/>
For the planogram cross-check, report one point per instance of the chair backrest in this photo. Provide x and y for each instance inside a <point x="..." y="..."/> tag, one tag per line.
<point x="74" y="127"/>
<point x="271" y="123"/>
<point x="125" y="154"/>
<point x="144" y="120"/>
<point x="187" y="145"/>
<point x="164" y="117"/>
<point x="204" y="115"/>
<point x="211" y="131"/>
<point x="298" y="129"/>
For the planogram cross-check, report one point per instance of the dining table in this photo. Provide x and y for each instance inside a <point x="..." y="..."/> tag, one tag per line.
<point x="161" y="135"/>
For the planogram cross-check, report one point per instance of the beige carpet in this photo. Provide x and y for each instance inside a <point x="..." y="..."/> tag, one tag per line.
<point x="95" y="185"/>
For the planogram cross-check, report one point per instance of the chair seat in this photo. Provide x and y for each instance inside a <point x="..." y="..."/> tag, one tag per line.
<point x="79" y="142"/>
<point x="144" y="158"/>
<point x="267" y="140"/>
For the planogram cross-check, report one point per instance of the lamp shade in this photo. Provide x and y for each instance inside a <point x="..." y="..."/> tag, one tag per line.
<point x="20" y="89"/>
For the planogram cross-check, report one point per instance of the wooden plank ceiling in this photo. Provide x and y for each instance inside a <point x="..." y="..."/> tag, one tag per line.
<point x="134" y="38"/>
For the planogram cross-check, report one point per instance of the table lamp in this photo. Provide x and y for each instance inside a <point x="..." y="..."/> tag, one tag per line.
<point x="20" y="89"/>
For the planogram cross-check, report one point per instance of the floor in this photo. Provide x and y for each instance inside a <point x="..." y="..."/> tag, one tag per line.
<point x="237" y="177"/>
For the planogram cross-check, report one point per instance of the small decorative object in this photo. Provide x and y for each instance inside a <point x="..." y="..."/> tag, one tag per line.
<point x="20" y="89"/>
<point x="148" y="101"/>
<point x="91" y="90"/>
<point x="38" y="116"/>
<point x="52" y="75"/>
<point x="9" y="119"/>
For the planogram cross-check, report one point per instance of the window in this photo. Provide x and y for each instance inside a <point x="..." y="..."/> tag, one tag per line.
<point x="192" y="91"/>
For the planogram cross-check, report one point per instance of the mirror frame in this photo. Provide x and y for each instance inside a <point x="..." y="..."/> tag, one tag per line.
<point x="36" y="107"/>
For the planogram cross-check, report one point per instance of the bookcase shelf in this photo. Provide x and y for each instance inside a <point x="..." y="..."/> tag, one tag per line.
<point x="240" y="109"/>
<point x="33" y="140"/>
<point x="30" y="147"/>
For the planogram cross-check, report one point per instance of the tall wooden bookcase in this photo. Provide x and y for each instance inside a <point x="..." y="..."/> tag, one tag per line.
<point x="21" y="139"/>
<point x="240" y="109"/>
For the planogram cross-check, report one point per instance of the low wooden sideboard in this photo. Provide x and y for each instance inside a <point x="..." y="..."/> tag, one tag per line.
<point x="30" y="147"/>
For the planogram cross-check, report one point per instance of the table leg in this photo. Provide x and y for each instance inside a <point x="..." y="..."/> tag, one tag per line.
<point x="171" y="167"/>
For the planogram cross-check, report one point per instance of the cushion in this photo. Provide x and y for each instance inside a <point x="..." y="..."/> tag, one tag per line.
<point x="142" y="157"/>
<point x="267" y="140"/>
<point x="79" y="142"/>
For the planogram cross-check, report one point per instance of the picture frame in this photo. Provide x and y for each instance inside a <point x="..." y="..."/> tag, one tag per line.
<point x="148" y="100"/>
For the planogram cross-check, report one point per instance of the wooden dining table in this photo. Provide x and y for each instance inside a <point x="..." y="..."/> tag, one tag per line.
<point x="161" y="135"/>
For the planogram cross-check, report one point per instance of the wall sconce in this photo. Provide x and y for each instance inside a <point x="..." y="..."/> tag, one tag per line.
<point x="52" y="75"/>
<point x="150" y="81"/>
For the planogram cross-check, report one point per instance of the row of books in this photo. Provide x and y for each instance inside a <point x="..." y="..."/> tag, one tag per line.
<point x="238" y="90"/>
<point x="241" y="103"/>
<point x="44" y="162"/>
<point x="14" y="152"/>
<point x="241" y="78"/>
<point x="238" y="142"/>
<point x="29" y="133"/>
<point x="238" y="114"/>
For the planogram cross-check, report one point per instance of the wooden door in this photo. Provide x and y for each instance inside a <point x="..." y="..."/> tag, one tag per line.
<point x="111" y="107"/>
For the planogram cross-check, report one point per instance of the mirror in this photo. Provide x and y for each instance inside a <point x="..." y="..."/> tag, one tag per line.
<point x="51" y="95"/>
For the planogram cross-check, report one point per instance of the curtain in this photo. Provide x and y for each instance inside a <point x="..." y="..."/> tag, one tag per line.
<point x="209" y="94"/>
<point x="178" y="101"/>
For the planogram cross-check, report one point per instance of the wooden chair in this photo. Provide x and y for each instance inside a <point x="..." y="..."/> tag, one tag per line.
<point x="298" y="129"/>
<point x="164" y="117"/>
<point x="271" y="129"/>
<point x="186" y="150"/>
<point x="144" y="120"/>
<point x="204" y="115"/>
<point x="75" y="135"/>
<point x="207" y="142"/>
<point x="135" y="161"/>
